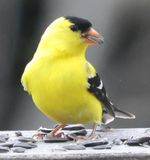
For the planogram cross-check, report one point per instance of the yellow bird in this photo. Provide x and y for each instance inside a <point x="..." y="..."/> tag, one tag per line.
<point x="62" y="83"/>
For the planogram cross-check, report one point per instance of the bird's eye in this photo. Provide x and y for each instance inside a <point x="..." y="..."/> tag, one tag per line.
<point x="74" y="28"/>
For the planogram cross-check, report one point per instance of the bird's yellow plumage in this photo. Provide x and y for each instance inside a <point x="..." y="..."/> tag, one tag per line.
<point x="62" y="83"/>
<point x="57" y="76"/>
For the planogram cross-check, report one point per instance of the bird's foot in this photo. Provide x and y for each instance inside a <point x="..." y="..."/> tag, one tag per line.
<point x="103" y="127"/>
<point x="92" y="136"/>
<point x="85" y="138"/>
<point x="57" y="135"/>
<point x="38" y="136"/>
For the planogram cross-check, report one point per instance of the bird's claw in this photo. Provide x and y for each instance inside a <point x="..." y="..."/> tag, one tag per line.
<point x="84" y="138"/>
<point x="58" y="135"/>
<point x="39" y="136"/>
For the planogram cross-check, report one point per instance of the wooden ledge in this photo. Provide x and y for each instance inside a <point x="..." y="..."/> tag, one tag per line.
<point x="55" y="151"/>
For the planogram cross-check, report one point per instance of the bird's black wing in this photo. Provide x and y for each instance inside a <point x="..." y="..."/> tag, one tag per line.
<point x="97" y="88"/>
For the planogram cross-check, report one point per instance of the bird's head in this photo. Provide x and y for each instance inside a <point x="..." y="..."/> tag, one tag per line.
<point x="72" y="34"/>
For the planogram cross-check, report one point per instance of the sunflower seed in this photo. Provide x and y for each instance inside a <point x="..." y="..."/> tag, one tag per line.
<point x="143" y="139"/>
<point x="137" y="141"/>
<point x="145" y="144"/>
<point x="45" y="130"/>
<point x="123" y="139"/>
<point x="132" y="142"/>
<point x="54" y="139"/>
<point x="24" y="145"/>
<point x="117" y="141"/>
<point x="103" y="147"/>
<point x="4" y="137"/>
<point x="4" y="149"/>
<point x="7" y="144"/>
<point x="18" y="149"/>
<point x="26" y="139"/>
<point x="93" y="143"/>
<point x="2" y="140"/>
<point x="71" y="135"/>
<point x="74" y="147"/>
<point x="18" y="133"/>
<point x="82" y="132"/>
<point x="74" y="127"/>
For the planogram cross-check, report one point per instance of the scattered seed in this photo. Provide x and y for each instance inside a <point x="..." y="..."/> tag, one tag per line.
<point x="117" y="141"/>
<point x="26" y="139"/>
<point x="32" y="144"/>
<point x="92" y="143"/>
<point x="103" y="147"/>
<point x="73" y="134"/>
<point x="24" y="145"/>
<point x="4" y="149"/>
<point x="132" y="142"/>
<point x="143" y="139"/>
<point x="18" y="149"/>
<point x="82" y="132"/>
<point x="74" y="127"/>
<point x="45" y="130"/>
<point x="7" y="144"/>
<point x="2" y="140"/>
<point x="145" y="144"/>
<point x="74" y="147"/>
<point x="54" y="139"/>
<point x="123" y="139"/>
<point x="18" y="133"/>
<point x="4" y="137"/>
<point x="137" y="141"/>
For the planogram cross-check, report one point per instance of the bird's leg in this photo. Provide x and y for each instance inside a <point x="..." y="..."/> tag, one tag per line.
<point x="55" y="131"/>
<point x="89" y="137"/>
<point x="40" y="135"/>
<point x="93" y="133"/>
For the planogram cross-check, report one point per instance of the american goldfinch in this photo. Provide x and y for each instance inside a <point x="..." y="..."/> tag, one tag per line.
<point x="62" y="83"/>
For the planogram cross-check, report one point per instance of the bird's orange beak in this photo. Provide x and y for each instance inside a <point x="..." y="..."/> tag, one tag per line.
<point x="92" y="37"/>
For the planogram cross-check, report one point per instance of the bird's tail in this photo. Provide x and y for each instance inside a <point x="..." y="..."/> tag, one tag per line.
<point x="110" y="112"/>
<point x="122" y="114"/>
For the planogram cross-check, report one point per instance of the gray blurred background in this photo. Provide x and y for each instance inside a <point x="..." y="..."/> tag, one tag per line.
<point x="123" y="61"/>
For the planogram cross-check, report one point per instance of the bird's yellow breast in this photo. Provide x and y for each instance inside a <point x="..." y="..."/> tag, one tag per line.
<point x="59" y="90"/>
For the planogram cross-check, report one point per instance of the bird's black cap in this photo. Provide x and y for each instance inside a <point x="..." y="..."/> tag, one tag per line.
<point x="80" y="24"/>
